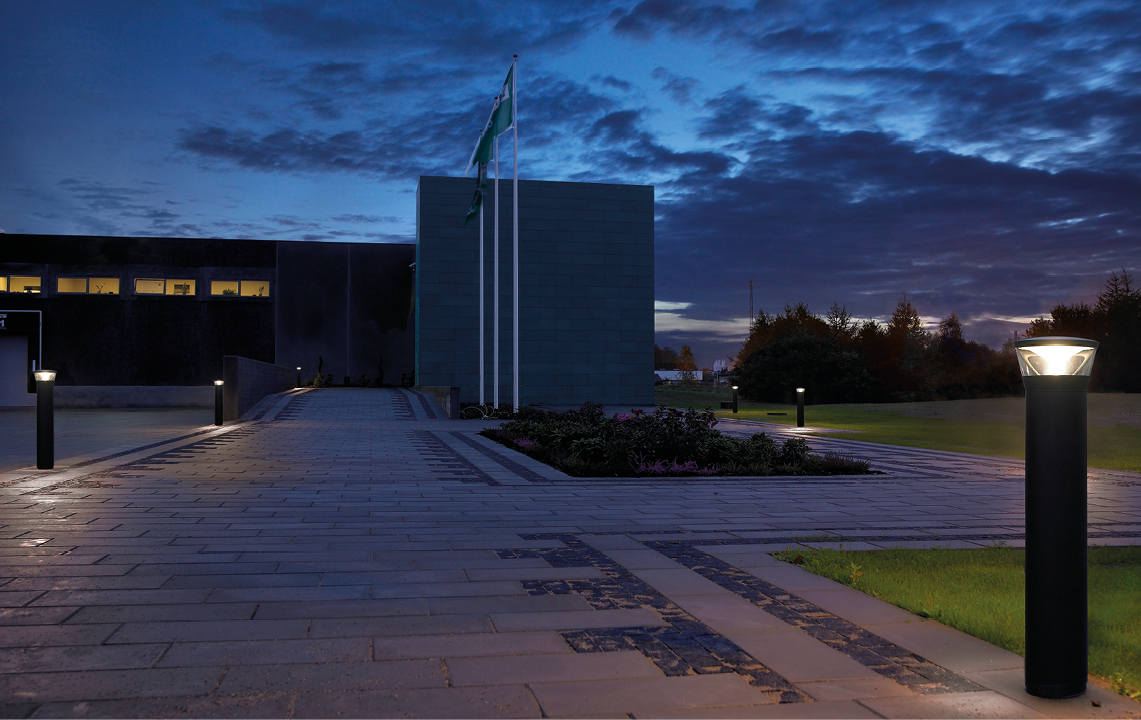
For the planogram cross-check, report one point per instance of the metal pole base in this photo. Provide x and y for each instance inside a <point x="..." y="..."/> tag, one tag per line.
<point x="45" y="424"/>
<point x="1057" y="646"/>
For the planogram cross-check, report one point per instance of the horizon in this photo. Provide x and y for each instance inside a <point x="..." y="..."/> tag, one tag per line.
<point x="977" y="158"/>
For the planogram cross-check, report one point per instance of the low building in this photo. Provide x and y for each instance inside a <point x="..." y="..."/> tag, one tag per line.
<point x="147" y="321"/>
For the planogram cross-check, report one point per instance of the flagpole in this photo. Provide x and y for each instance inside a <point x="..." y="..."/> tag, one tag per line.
<point x="495" y="319"/>
<point x="482" y="351"/>
<point x="515" y="230"/>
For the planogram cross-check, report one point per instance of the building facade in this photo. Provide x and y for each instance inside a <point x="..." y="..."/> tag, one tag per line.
<point x="586" y="291"/>
<point x="147" y="321"/>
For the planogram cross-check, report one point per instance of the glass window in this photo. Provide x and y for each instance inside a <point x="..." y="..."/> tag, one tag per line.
<point x="223" y="287"/>
<point x="25" y="284"/>
<point x="148" y="286"/>
<point x="179" y="287"/>
<point x="103" y="286"/>
<point x="3" y="283"/>
<point x="71" y="285"/>
<point x="255" y="288"/>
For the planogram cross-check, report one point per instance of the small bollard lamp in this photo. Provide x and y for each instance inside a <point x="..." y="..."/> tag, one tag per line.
<point x="800" y="407"/>
<point x="298" y="383"/>
<point x="1055" y="371"/>
<point x="45" y="419"/>
<point x="218" y="402"/>
<point x="734" y="398"/>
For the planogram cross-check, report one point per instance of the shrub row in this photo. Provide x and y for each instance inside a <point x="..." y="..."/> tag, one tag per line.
<point x="667" y="442"/>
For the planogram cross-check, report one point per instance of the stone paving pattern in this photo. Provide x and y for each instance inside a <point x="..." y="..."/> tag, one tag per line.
<point x="350" y="553"/>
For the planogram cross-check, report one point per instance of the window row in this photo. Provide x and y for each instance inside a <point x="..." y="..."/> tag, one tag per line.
<point x="143" y="286"/>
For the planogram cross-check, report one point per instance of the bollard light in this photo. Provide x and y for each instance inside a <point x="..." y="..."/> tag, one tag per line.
<point x="1055" y="372"/>
<point x="800" y="407"/>
<point x="218" y="402"/>
<point x="298" y="383"/>
<point x="45" y="419"/>
<point x="734" y="398"/>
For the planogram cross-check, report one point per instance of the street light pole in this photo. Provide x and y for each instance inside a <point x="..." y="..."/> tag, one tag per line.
<point x="45" y="419"/>
<point x="1055" y="372"/>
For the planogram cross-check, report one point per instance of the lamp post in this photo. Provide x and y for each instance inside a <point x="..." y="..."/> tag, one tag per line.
<point x="45" y="419"/>
<point x="800" y="407"/>
<point x="218" y="402"/>
<point x="734" y="398"/>
<point x="1055" y="371"/>
<point x="298" y="383"/>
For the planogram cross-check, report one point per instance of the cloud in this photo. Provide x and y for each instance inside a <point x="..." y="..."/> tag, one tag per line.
<point x="680" y="88"/>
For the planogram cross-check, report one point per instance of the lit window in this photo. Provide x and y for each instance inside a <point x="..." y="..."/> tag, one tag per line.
<point x="25" y="284"/>
<point x="3" y="283"/>
<point x="255" y="288"/>
<point x="148" y="286"/>
<point x="71" y="285"/>
<point x="179" y="287"/>
<point x="223" y="287"/>
<point x="103" y="286"/>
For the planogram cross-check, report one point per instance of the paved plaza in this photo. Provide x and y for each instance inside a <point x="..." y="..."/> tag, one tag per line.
<point x="351" y="553"/>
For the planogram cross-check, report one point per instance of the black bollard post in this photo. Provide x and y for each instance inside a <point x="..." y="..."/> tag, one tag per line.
<point x="1055" y="372"/>
<point x="218" y="402"/>
<point x="800" y="407"/>
<point x="734" y="398"/>
<point x="298" y="383"/>
<point x="45" y="419"/>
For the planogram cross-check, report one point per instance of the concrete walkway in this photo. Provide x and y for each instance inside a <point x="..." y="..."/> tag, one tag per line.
<point x="350" y="553"/>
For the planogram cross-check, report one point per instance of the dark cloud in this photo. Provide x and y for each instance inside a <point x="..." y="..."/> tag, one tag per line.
<point x="676" y="86"/>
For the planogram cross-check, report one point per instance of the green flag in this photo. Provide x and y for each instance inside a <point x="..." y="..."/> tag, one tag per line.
<point x="499" y="122"/>
<point x="480" y="187"/>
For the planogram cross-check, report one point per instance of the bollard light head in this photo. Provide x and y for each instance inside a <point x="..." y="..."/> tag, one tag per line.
<point x="1055" y="356"/>
<point x="800" y="390"/>
<point x="299" y="368"/>
<point x="45" y="375"/>
<point x="734" y="387"/>
<point x="218" y="382"/>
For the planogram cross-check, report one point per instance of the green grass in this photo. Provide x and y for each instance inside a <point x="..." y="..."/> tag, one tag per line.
<point x="1110" y="446"/>
<point x="981" y="592"/>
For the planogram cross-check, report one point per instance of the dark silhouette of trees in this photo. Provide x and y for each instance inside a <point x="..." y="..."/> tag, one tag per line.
<point x="664" y="358"/>
<point x="837" y="359"/>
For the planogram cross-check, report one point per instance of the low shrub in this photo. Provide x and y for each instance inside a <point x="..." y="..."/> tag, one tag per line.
<point x="667" y="442"/>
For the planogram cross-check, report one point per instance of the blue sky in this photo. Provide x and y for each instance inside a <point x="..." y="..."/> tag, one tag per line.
<point x="979" y="157"/>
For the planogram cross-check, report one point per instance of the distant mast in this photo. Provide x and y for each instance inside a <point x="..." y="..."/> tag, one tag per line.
<point x="750" y="303"/>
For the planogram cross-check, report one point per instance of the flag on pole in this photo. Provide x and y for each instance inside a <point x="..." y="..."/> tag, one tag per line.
<point x="480" y="189"/>
<point x="501" y="120"/>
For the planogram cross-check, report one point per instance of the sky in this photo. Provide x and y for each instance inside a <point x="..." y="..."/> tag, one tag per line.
<point x="977" y="157"/>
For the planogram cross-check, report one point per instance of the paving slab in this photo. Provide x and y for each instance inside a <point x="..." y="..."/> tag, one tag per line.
<point x="350" y="555"/>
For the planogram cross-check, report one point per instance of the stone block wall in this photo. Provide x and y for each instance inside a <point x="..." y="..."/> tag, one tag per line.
<point x="586" y="291"/>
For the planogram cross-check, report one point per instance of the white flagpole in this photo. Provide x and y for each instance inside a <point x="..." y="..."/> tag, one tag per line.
<point x="482" y="352"/>
<point x="515" y="231"/>
<point x="495" y="319"/>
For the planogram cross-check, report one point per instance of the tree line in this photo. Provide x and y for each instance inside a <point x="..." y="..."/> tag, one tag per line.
<point x="838" y="359"/>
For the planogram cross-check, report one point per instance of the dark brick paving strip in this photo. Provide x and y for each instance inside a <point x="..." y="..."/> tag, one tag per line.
<point x="439" y="455"/>
<point x="521" y="471"/>
<point x="401" y="406"/>
<point x="293" y="408"/>
<point x="866" y="648"/>
<point x="425" y="404"/>
<point x="686" y="646"/>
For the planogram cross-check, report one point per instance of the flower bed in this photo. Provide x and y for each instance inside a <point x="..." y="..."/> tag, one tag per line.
<point x="667" y="442"/>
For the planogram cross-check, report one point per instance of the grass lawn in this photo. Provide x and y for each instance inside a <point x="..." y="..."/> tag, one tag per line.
<point x="981" y="592"/>
<point x="992" y="427"/>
